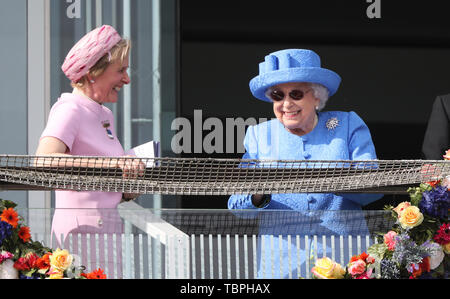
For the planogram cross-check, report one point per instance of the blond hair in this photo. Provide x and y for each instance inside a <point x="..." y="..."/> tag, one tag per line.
<point x="117" y="53"/>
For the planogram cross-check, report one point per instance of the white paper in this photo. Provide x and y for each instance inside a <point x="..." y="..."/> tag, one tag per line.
<point x="146" y="150"/>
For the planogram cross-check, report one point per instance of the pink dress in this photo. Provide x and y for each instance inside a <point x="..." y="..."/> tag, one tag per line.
<point x="79" y="123"/>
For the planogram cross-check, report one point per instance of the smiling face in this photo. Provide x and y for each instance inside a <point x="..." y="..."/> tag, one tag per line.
<point x="106" y="86"/>
<point x="294" y="105"/>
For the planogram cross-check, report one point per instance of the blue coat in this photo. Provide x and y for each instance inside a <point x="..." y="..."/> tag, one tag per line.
<point x="337" y="136"/>
<point x="349" y="140"/>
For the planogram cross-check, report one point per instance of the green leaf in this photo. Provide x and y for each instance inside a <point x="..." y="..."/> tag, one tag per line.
<point x="42" y="271"/>
<point x="6" y="204"/>
<point x="28" y="273"/>
<point x="425" y="187"/>
<point x="377" y="251"/>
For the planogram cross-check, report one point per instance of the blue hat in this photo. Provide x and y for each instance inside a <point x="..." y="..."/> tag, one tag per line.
<point x="292" y="65"/>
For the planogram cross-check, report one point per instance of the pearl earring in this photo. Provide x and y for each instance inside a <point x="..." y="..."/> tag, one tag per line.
<point x="92" y="81"/>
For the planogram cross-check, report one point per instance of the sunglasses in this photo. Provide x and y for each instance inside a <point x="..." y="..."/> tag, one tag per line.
<point x="277" y="95"/>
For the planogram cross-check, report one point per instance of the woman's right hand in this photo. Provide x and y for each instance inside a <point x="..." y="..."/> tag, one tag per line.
<point x="131" y="168"/>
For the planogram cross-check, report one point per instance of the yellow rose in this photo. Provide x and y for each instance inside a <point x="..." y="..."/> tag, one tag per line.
<point x="446" y="248"/>
<point x="325" y="268"/>
<point x="411" y="217"/>
<point x="60" y="260"/>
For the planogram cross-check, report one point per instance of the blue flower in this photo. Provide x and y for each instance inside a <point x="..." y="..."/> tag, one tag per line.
<point x="435" y="202"/>
<point x="33" y="276"/>
<point x="5" y="231"/>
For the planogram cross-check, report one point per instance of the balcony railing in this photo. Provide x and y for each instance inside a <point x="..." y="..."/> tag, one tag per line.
<point x="216" y="244"/>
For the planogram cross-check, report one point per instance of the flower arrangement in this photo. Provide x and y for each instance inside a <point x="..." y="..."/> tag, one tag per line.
<point x="417" y="246"/>
<point x="30" y="259"/>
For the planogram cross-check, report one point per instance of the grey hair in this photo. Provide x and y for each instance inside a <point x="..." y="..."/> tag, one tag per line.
<point x="320" y="92"/>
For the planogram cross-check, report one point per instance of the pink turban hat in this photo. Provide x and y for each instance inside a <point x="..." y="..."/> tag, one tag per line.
<point x="88" y="50"/>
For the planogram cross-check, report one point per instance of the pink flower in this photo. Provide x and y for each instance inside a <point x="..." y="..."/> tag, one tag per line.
<point x="401" y="206"/>
<point x="365" y="275"/>
<point x="357" y="267"/>
<point x="389" y="239"/>
<point x="5" y="255"/>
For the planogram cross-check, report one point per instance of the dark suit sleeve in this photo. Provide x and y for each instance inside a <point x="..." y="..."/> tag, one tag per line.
<point x="436" y="140"/>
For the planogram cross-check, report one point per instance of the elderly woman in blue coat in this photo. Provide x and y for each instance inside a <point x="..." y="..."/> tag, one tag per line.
<point x="298" y="88"/>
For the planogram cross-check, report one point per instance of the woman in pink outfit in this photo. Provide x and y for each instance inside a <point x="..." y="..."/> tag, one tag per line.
<point x="80" y="125"/>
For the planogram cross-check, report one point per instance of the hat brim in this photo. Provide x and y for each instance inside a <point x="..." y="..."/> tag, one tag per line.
<point x="328" y="78"/>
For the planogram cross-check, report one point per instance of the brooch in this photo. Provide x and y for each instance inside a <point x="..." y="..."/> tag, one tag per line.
<point x="108" y="131"/>
<point x="332" y="123"/>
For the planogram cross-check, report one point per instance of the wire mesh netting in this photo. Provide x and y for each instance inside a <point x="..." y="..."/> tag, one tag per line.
<point x="277" y="222"/>
<point x="203" y="176"/>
